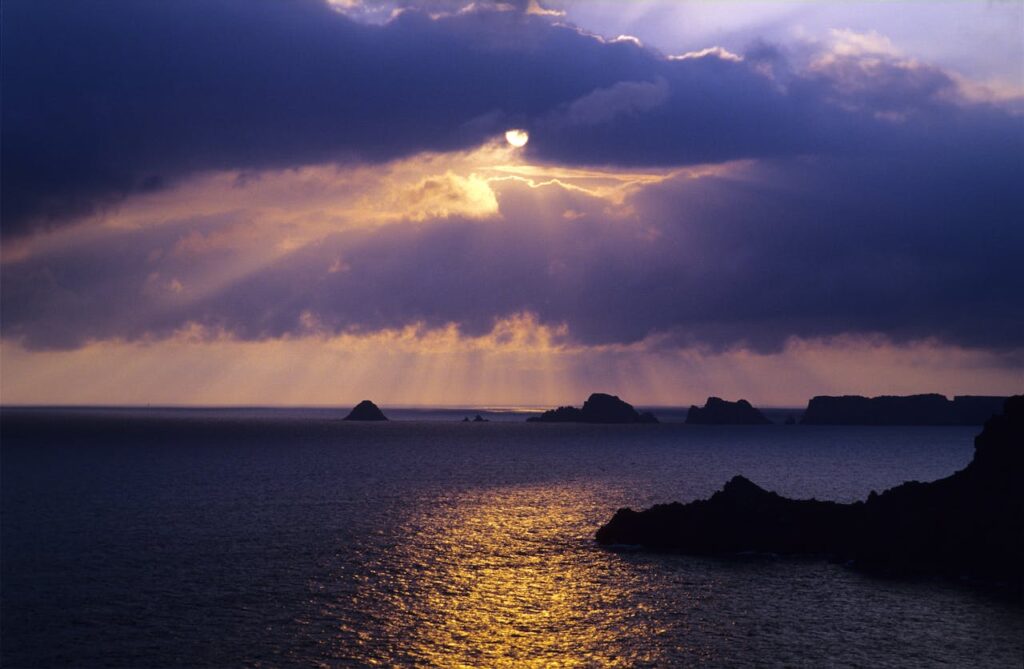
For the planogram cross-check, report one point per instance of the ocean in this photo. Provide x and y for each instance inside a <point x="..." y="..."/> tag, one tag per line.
<point x="287" y="537"/>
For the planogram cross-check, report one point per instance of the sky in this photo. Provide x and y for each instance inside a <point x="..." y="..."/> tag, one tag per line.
<point x="313" y="203"/>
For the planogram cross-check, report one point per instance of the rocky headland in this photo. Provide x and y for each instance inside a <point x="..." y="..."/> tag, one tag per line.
<point x="599" y="408"/>
<point x="931" y="409"/>
<point x="717" y="411"/>
<point x="968" y="525"/>
<point x="367" y="411"/>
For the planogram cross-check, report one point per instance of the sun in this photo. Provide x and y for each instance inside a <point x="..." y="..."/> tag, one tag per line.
<point x="517" y="138"/>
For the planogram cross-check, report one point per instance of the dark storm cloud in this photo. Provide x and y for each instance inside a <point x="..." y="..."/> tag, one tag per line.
<point x="881" y="202"/>
<point x="106" y="99"/>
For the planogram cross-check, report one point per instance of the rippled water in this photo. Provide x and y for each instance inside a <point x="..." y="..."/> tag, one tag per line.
<point x="269" y="538"/>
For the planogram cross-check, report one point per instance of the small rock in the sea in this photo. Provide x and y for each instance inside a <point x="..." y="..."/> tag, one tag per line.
<point x="366" y="410"/>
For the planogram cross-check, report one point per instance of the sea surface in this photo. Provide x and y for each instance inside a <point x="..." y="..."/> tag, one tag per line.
<point x="287" y="537"/>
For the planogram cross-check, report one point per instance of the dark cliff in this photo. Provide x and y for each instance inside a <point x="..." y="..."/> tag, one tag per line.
<point x="976" y="409"/>
<point x="970" y="524"/>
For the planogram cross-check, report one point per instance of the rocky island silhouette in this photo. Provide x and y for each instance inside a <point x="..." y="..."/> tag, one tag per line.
<point x="928" y="409"/>
<point x="967" y="525"/>
<point x="599" y="408"/>
<point x="717" y="411"/>
<point x="366" y="411"/>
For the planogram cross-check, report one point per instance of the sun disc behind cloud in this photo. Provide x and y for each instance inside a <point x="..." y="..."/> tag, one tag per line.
<point x="517" y="138"/>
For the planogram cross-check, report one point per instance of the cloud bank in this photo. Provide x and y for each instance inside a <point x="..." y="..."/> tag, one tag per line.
<point x="264" y="171"/>
<point x="102" y="101"/>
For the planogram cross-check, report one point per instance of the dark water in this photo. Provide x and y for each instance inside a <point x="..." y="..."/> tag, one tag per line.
<point x="288" y="538"/>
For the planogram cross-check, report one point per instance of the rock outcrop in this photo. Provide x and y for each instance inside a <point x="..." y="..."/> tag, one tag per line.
<point x="970" y="524"/>
<point x="929" y="409"/>
<point x="717" y="411"/>
<point x="366" y="410"/>
<point x="599" y="408"/>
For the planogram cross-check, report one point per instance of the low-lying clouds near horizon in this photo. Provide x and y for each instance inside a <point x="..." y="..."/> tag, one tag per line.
<point x="210" y="194"/>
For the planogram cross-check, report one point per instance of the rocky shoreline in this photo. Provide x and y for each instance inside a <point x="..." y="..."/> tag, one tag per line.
<point x="967" y="525"/>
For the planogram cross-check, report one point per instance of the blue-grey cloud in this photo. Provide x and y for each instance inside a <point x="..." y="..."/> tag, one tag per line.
<point x="880" y="202"/>
<point x="912" y="248"/>
<point x="104" y="100"/>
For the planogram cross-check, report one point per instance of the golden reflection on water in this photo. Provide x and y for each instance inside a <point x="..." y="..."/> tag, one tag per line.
<point x="506" y="577"/>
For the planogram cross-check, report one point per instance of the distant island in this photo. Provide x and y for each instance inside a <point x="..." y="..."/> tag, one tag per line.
<point x="931" y="409"/>
<point x="599" y="408"/>
<point x="366" y="411"/>
<point x="968" y="525"/>
<point x="717" y="411"/>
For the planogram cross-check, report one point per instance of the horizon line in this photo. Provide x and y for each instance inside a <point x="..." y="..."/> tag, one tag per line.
<point x="487" y="407"/>
<point x="493" y="408"/>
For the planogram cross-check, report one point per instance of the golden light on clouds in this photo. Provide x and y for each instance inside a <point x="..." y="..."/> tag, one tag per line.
<point x="273" y="212"/>
<point x="258" y="217"/>
<point x="198" y="238"/>
<point x="520" y="362"/>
